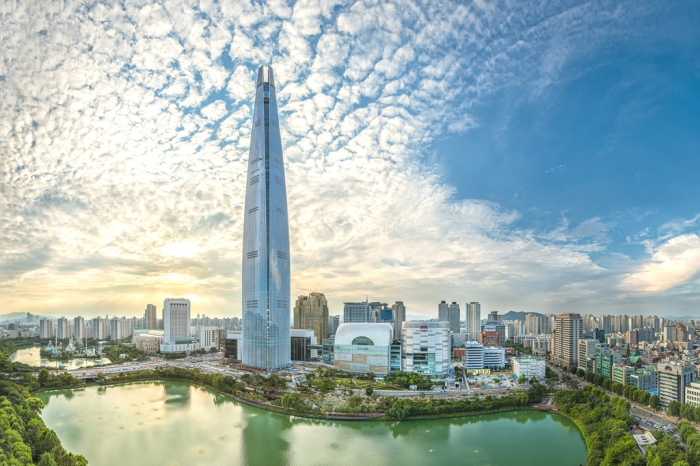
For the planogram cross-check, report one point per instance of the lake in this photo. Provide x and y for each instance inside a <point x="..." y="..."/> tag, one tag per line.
<point x="176" y="424"/>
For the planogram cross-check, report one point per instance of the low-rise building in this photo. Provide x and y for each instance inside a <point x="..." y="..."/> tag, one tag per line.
<point x="528" y="367"/>
<point x="477" y="356"/>
<point x="233" y="346"/>
<point x="692" y="393"/>
<point x="644" y="378"/>
<point x="621" y="374"/>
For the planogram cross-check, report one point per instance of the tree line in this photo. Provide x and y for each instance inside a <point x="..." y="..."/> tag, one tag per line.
<point x="642" y="397"/>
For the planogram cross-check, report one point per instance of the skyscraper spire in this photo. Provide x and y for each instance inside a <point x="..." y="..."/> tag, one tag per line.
<point x="266" y="272"/>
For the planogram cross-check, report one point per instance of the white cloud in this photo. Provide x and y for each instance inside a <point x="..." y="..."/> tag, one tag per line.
<point x="674" y="263"/>
<point x="215" y="110"/>
<point x="118" y="189"/>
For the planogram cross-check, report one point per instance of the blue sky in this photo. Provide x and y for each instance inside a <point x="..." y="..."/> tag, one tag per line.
<point x="530" y="156"/>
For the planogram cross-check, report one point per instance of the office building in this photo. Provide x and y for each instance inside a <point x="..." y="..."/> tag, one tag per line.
<point x="644" y="378"/>
<point x="176" y="320"/>
<point x="425" y="348"/>
<point x="356" y="313"/>
<point x="568" y="331"/>
<point x="333" y="323"/>
<point x="528" y="367"/>
<point x="363" y="347"/>
<point x="540" y="342"/>
<point x="399" y="311"/>
<point x="150" y="317"/>
<point x="233" y="346"/>
<point x="302" y="341"/>
<point x="479" y="357"/>
<point x="473" y="320"/>
<point x="490" y="338"/>
<point x="586" y="350"/>
<point x="621" y="374"/>
<point x="266" y="255"/>
<point x="672" y="379"/>
<point x="692" y="393"/>
<point x="208" y="337"/>
<point x="311" y="313"/>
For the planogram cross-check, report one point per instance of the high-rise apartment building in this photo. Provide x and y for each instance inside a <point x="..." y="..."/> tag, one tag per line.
<point x="176" y="320"/>
<point x="62" y="329"/>
<point x="454" y="317"/>
<point x="46" y="328"/>
<point x="532" y="324"/>
<point x="311" y="313"/>
<point x="356" y="313"/>
<point x="79" y="328"/>
<point x="567" y="332"/>
<point x="443" y="312"/>
<point x="399" y="311"/>
<point x="473" y="320"/>
<point x="266" y="255"/>
<point x="586" y="350"/>
<point x="115" y="329"/>
<point x="150" y="317"/>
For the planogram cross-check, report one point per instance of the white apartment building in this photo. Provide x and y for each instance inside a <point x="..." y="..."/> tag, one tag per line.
<point x="79" y="328"/>
<point x="586" y="349"/>
<point x="425" y="347"/>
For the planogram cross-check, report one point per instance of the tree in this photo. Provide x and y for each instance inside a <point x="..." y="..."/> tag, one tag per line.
<point x="573" y="369"/>
<point x="47" y="460"/>
<point x="354" y="402"/>
<point x="369" y="391"/>
<point x="580" y="373"/>
<point x="674" y="408"/>
<point x="43" y="376"/>
<point x="655" y="402"/>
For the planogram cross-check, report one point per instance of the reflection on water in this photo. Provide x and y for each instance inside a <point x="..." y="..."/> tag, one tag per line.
<point x="176" y="424"/>
<point x="32" y="357"/>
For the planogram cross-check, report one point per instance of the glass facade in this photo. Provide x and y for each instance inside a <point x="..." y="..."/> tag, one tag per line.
<point x="266" y="272"/>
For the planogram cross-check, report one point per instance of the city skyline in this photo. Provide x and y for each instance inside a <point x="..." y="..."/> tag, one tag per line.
<point x="509" y="161"/>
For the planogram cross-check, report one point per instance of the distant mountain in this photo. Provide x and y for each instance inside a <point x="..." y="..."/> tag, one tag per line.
<point x="12" y="316"/>
<point x="682" y="317"/>
<point x="518" y="315"/>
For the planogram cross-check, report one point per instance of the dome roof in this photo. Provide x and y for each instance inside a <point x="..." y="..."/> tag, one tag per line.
<point x="380" y="334"/>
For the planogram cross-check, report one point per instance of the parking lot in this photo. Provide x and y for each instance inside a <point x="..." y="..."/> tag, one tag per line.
<point x="654" y="424"/>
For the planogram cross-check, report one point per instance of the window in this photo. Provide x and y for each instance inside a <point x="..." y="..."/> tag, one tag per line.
<point x="362" y="341"/>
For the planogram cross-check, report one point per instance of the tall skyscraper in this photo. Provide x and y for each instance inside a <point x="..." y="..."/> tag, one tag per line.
<point x="266" y="273"/>
<point x="443" y="312"/>
<point x="473" y="320"/>
<point x="150" y="317"/>
<point x="454" y="317"/>
<point x="176" y="320"/>
<point x="311" y="313"/>
<point x="399" y="311"/>
<point x="567" y="333"/>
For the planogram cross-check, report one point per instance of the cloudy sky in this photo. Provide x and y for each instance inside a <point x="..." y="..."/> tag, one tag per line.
<point x="531" y="156"/>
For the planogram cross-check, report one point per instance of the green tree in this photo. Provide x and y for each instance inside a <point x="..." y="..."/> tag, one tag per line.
<point x="674" y="408"/>
<point x="369" y="391"/>
<point x="655" y="402"/>
<point x="43" y="377"/>
<point x="580" y="373"/>
<point x="573" y="369"/>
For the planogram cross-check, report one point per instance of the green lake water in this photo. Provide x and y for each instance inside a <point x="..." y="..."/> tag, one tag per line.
<point x="175" y="423"/>
<point x="32" y="357"/>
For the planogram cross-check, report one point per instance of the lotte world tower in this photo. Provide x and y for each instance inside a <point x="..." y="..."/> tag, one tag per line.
<point x="266" y="294"/>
